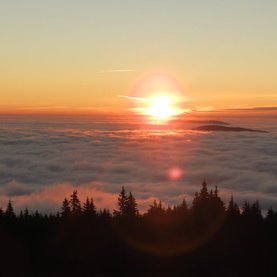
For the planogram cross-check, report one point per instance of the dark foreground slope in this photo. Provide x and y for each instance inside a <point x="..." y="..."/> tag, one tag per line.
<point x="205" y="239"/>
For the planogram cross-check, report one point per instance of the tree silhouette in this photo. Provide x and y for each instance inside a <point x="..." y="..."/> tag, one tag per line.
<point x="37" y="215"/>
<point x="105" y="214"/>
<point x="179" y="240"/>
<point x="26" y="213"/>
<point x="131" y="209"/>
<point x="270" y="215"/>
<point x="127" y="204"/>
<point x="183" y="207"/>
<point x="75" y="204"/>
<point x="122" y="202"/>
<point x="181" y="211"/>
<point x="201" y="202"/>
<point x="204" y="191"/>
<point x="256" y="210"/>
<point x="252" y="213"/>
<point x="89" y="209"/>
<point x="65" y="209"/>
<point x="246" y="209"/>
<point x="233" y="208"/>
<point x="9" y="213"/>
<point x="156" y="212"/>
<point x="217" y="205"/>
<point x="1" y="212"/>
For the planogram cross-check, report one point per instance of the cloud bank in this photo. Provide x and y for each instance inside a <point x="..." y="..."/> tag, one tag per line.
<point x="41" y="163"/>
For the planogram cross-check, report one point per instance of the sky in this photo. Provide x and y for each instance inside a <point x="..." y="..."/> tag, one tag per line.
<point x="65" y="56"/>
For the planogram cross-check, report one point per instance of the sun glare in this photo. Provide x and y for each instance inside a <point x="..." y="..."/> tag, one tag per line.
<point x="160" y="107"/>
<point x="157" y="96"/>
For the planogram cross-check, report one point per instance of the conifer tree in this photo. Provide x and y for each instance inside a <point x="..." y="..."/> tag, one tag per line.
<point x="233" y="208"/>
<point x="246" y="209"/>
<point x="182" y="209"/>
<point x="131" y="206"/>
<point x="201" y="201"/>
<point x="65" y="209"/>
<point x="105" y="213"/>
<point x="204" y="191"/>
<point x="156" y="210"/>
<point x="37" y="215"/>
<point x="89" y="209"/>
<point x="270" y="215"/>
<point x="183" y="206"/>
<point x="21" y="216"/>
<point x="217" y="204"/>
<point x="9" y="211"/>
<point x="1" y="212"/>
<point x="75" y="204"/>
<point x="169" y="211"/>
<point x="122" y="201"/>
<point x="207" y="207"/>
<point x="256" y="211"/>
<point x="26" y="213"/>
<point x="195" y="200"/>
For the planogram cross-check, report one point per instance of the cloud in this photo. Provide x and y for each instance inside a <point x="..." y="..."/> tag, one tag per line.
<point x="117" y="70"/>
<point x="263" y="108"/>
<point x="42" y="162"/>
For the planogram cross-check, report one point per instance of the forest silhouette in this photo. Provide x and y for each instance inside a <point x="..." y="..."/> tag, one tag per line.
<point x="206" y="238"/>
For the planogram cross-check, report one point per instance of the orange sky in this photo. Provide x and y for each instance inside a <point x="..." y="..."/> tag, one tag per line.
<point x="65" y="57"/>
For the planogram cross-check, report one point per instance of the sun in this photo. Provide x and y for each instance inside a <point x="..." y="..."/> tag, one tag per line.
<point x="161" y="107"/>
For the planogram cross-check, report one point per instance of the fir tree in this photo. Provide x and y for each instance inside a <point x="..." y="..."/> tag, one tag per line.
<point x="65" y="209"/>
<point x="204" y="191"/>
<point x="270" y="215"/>
<point x="256" y="211"/>
<point x="21" y="216"/>
<point x="201" y="203"/>
<point x="131" y="206"/>
<point x="105" y="214"/>
<point x="1" y="212"/>
<point x="246" y="209"/>
<point x="182" y="209"/>
<point x="9" y="213"/>
<point x="26" y="213"/>
<point x="122" y="202"/>
<point x="89" y="209"/>
<point x="156" y="210"/>
<point x="233" y="208"/>
<point x="37" y="215"/>
<point x="217" y="204"/>
<point x="75" y="204"/>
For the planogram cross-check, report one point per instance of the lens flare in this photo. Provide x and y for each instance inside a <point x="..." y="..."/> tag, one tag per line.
<point x="175" y="173"/>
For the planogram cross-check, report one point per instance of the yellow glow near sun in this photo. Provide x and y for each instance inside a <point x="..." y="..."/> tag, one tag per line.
<point x="161" y="107"/>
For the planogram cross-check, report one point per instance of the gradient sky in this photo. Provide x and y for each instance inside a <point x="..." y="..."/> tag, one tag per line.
<point x="63" y="55"/>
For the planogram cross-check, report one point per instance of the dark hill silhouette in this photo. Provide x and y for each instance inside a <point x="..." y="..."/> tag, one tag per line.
<point x="215" y="122"/>
<point x="226" y="129"/>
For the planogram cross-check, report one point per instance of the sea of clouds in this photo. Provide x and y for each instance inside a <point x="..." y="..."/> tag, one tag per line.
<point x="42" y="161"/>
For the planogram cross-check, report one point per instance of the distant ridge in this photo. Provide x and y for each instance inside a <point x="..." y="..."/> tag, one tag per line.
<point x="224" y="128"/>
<point x="215" y="122"/>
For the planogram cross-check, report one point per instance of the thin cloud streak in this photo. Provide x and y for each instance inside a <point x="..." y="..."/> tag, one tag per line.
<point x="265" y="108"/>
<point x="134" y="98"/>
<point x="117" y="70"/>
